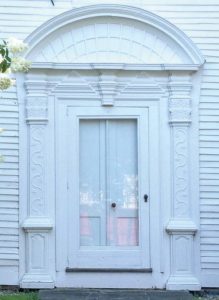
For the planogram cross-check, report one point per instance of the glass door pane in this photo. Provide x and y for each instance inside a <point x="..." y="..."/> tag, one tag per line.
<point x="108" y="182"/>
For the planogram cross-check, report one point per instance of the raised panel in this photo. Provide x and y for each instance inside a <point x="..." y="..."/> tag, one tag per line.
<point x="183" y="253"/>
<point x="37" y="254"/>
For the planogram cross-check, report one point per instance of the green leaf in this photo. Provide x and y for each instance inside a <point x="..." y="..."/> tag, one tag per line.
<point x="4" y="66"/>
<point x="2" y="51"/>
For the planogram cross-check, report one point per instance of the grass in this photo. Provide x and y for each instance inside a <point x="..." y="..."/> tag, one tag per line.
<point x="19" y="296"/>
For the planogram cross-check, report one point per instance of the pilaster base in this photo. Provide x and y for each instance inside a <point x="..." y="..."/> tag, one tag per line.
<point x="37" y="281"/>
<point x="183" y="283"/>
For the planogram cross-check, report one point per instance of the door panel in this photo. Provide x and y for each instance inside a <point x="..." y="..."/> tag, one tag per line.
<point x="92" y="183"/>
<point x="122" y="179"/>
<point x="108" y="218"/>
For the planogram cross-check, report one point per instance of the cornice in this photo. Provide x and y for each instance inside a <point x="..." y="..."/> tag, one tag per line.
<point x="115" y="66"/>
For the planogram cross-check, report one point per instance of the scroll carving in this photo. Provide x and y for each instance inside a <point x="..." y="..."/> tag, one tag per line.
<point x="37" y="172"/>
<point x="180" y="119"/>
<point x="181" y="194"/>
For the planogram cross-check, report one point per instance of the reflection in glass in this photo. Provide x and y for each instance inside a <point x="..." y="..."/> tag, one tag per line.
<point x="108" y="174"/>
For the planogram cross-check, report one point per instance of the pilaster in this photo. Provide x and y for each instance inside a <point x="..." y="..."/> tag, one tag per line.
<point x="181" y="226"/>
<point x="38" y="225"/>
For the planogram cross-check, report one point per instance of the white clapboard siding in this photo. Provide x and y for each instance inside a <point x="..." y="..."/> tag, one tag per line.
<point x="199" y="19"/>
<point x="9" y="188"/>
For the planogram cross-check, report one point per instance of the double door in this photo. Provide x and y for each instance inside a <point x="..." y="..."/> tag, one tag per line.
<point x="108" y="186"/>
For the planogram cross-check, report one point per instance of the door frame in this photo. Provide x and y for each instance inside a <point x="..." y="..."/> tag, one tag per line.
<point x="147" y="279"/>
<point x="38" y="232"/>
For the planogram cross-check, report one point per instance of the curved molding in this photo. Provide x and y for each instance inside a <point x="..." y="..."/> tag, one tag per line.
<point x="165" y="35"/>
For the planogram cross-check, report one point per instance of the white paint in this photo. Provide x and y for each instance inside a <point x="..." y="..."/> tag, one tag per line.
<point x="133" y="85"/>
<point x="134" y="256"/>
<point x="128" y="35"/>
<point x="37" y="118"/>
<point x="63" y="101"/>
<point x="187" y="17"/>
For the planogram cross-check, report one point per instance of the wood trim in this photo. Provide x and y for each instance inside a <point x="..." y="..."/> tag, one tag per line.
<point x="115" y="66"/>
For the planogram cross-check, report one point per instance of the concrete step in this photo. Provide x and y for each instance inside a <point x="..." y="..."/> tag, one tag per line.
<point x="112" y="294"/>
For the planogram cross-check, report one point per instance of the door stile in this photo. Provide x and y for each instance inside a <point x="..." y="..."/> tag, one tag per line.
<point x="103" y="181"/>
<point x="73" y="206"/>
<point x="144" y="188"/>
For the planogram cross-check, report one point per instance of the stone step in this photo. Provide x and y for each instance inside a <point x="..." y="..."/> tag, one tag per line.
<point x="112" y="294"/>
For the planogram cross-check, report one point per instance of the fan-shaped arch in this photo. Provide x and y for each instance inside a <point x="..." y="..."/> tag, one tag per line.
<point x="111" y="34"/>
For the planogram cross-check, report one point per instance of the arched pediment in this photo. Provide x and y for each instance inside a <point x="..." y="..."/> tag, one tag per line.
<point x="111" y="34"/>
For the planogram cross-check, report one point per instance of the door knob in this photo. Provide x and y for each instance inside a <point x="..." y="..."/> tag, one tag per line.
<point x="113" y="205"/>
<point x="145" y="198"/>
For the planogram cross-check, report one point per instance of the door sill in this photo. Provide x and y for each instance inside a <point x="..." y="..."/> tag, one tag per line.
<point x="108" y="270"/>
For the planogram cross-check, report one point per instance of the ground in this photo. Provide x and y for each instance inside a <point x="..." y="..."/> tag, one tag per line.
<point x="33" y="296"/>
<point x="205" y="298"/>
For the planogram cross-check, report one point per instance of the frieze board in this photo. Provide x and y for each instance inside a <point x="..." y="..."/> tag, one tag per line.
<point x="77" y="85"/>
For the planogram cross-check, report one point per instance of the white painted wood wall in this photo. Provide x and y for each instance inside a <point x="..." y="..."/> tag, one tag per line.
<point x="200" y="21"/>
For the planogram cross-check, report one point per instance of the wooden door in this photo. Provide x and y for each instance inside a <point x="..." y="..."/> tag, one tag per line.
<point x="107" y="183"/>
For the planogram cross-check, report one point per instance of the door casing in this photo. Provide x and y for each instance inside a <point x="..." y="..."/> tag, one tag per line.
<point x="156" y="235"/>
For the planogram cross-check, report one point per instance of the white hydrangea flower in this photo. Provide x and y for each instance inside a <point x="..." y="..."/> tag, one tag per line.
<point x="1" y="58"/>
<point x="6" y="82"/>
<point x="15" y="45"/>
<point x="19" y="64"/>
<point x="8" y="71"/>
